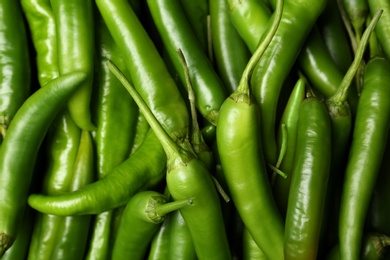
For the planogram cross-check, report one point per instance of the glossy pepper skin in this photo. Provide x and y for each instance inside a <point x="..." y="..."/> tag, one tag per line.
<point x="74" y="23"/>
<point x="230" y="51"/>
<point x="15" y="69"/>
<point x="242" y="159"/>
<point x="62" y="142"/>
<point x="118" y="186"/>
<point x="297" y="21"/>
<point x="21" y="148"/>
<point x="40" y="19"/>
<point x="147" y="69"/>
<point x="113" y="119"/>
<point x="309" y="181"/>
<point x="176" y="33"/>
<point x="368" y="144"/>
<point x="382" y="29"/>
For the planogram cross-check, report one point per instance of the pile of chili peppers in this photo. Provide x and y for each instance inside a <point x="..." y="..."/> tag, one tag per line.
<point x="182" y="129"/>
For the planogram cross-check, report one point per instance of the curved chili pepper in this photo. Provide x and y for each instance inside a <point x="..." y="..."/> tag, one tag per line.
<point x="188" y="179"/>
<point x="230" y="51"/>
<point x="141" y="218"/>
<point x="370" y="131"/>
<point x="73" y="21"/>
<point x="14" y="63"/>
<point x="243" y="165"/>
<point x="122" y="183"/>
<point x="297" y="21"/>
<point x="175" y="32"/>
<point x="21" y="146"/>
<point x="309" y="181"/>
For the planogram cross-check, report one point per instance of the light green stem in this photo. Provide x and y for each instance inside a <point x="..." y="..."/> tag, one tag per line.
<point x="342" y="92"/>
<point x="169" y="146"/>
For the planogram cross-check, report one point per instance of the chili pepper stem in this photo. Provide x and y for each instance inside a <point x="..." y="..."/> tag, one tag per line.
<point x="164" y="209"/>
<point x="342" y="92"/>
<point x="283" y="150"/>
<point x="169" y="146"/>
<point x="243" y="86"/>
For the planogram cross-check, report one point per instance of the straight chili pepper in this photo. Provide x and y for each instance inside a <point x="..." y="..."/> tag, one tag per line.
<point x="382" y="30"/>
<point x="335" y="36"/>
<point x="368" y="144"/>
<point x="15" y="69"/>
<point x="357" y="11"/>
<point x="19" y="150"/>
<point x="243" y="165"/>
<point x="176" y="33"/>
<point x="188" y="178"/>
<point x="40" y="19"/>
<point x="73" y="232"/>
<point x="289" y="119"/>
<point x="113" y="119"/>
<point x="309" y="181"/>
<point x="197" y="13"/>
<point x="147" y="69"/>
<point x="230" y="51"/>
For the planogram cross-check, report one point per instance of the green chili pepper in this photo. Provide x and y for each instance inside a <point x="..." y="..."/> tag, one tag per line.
<point x="335" y="36"/>
<point x="250" y="18"/>
<point x="368" y="144"/>
<point x="230" y="51"/>
<point x="188" y="178"/>
<point x="112" y="191"/>
<point x="141" y="218"/>
<point x="374" y="246"/>
<point x="357" y="11"/>
<point x="62" y="142"/>
<point x="378" y="216"/>
<point x="309" y="181"/>
<point x="289" y="119"/>
<point x="72" y="234"/>
<point x="14" y="63"/>
<point x="73" y="21"/>
<point x="197" y="14"/>
<point x="251" y="250"/>
<point x="113" y="119"/>
<point x="20" y="148"/>
<point x="42" y="26"/>
<point x="20" y="248"/>
<point x="148" y="71"/>
<point x="159" y="246"/>
<point x="175" y="32"/>
<point x="297" y="21"/>
<point x="382" y="29"/>
<point x="243" y="165"/>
